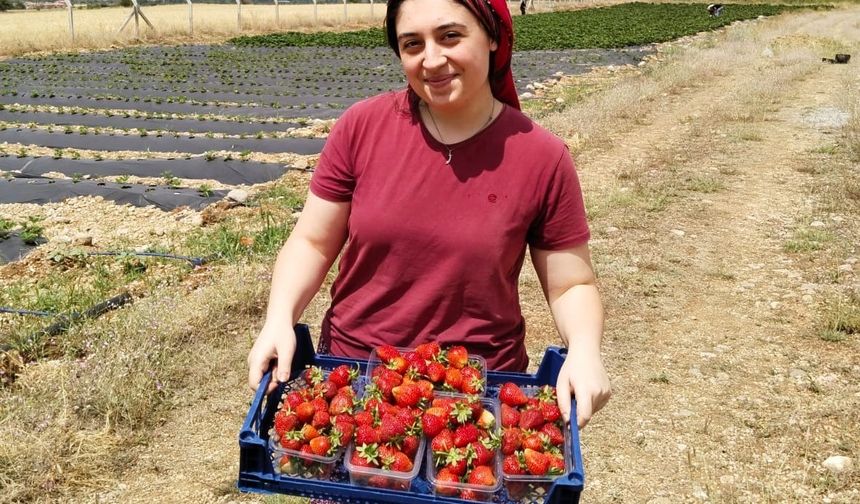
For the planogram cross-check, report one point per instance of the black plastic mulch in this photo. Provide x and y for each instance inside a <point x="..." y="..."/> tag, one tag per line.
<point x="166" y="143"/>
<point x="13" y="248"/>
<point x="45" y="190"/>
<point x="133" y="123"/>
<point x="227" y="172"/>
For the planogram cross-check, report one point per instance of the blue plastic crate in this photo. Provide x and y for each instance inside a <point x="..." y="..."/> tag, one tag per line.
<point x="255" y="467"/>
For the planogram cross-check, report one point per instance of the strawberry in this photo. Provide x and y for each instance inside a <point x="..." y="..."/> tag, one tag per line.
<point x="469" y="494"/>
<point x="363" y="418"/>
<point x="534" y="442"/>
<point x="512" y="440"/>
<point x="486" y="420"/>
<point x="512" y="395"/>
<point x="433" y="421"/>
<point x="531" y="419"/>
<point x="366" y="435"/>
<point x="305" y="412"/>
<point x="321" y="419"/>
<point x="406" y="396"/>
<point x="425" y="387"/>
<point x="292" y="440"/>
<point x="428" y="351"/>
<point x="390" y="428"/>
<point x="313" y="375"/>
<point x="416" y="363"/>
<point x="410" y="445"/>
<point x="285" y="421"/>
<point x="309" y="432"/>
<point x="483" y="455"/>
<point x="319" y="404"/>
<point x="370" y="453"/>
<point x="379" y="481"/>
<point x="343" y="375"/>
<point x="453" y="378"/>
<point x="458" y="357"/>
<point x="482" y="475"/>
<point x="465" y="434"/>
<point x="402" y="462"/>
<point x="550" y="411"/>
<point x="455" y="460"/>
<point x="556" y="438"/>
<point x="510" y="416"/>
<point x="511" y="465"/>
<point x="358" y="460"/>
<point x="326" y="390"/>
<point x="444" y="479"/>
<point x="473" y="381"/>
<point x="294" y="399"/>
<point x="537" y="463"/>
<point x="556" y="464"/>
<point x="320" y="445"/>
<point x="436" y="372"/>
<point x="346" y="431"/>
<point x="386" y="353"/>
<point x="306" y="449"/>
<point x="443" y="441"/>
<point x="341" y="403"/>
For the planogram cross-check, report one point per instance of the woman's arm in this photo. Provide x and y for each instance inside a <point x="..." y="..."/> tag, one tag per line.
<point x="569" y="286"/>
<point x="299" y="271"/>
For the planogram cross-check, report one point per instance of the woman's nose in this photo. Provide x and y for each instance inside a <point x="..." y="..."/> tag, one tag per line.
<point x="434" y="56"/>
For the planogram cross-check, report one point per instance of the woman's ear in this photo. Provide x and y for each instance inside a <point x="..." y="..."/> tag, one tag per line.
<point x="493" y="46"/>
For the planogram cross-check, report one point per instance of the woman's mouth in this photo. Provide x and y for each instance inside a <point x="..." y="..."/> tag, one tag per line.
<point x="439" y="81"/>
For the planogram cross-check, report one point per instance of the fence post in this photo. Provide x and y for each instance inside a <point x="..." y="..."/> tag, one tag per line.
<point x="190" y="18"/>
<point x="239" y="14"/>
<point x="277" y="14"/>
<point x="345" y="17"/>
<point x="371" y="9"/>
<point x="71" y="19"/>
<point x="315" y="11"/>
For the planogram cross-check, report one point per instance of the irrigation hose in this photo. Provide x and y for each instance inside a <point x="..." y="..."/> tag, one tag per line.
<point x="16" y="311"/>
<point x="195" y="261"/>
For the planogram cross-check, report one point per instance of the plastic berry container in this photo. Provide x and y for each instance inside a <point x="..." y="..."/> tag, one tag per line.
<point x="382" y="478"/>
<point x="531" y="488"/>
<point x="466" y="490"/>
<point x="476" y="361"/>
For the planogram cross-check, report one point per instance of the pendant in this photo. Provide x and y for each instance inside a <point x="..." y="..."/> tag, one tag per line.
<point x="448" y="161"/>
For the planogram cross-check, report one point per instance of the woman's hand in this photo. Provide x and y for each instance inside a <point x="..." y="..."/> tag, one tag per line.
<point x="275" y="341"/>
<point x="585" y="377"/>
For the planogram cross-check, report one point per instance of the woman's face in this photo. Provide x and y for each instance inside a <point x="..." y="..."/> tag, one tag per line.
<point x="445" y="52"/>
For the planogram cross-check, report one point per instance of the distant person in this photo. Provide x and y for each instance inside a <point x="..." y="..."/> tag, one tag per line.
<point x="715" y="10"/>
<point x="523" y="7"/>
<point x="432" y="196"/>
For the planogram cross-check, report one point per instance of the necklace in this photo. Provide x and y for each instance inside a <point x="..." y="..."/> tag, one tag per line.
<point x="442" y="139"/>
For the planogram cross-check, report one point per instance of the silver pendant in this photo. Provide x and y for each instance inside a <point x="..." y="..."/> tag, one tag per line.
<point x="448" y="161"/>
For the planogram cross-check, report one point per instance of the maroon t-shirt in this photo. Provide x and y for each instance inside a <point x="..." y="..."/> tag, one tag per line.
<point x="434" y="251"/>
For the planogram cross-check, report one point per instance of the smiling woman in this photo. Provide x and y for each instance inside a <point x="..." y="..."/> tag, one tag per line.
<point x="431" y="195"/>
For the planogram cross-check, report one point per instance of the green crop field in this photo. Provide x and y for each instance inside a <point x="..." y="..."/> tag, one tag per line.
<point x="616" y="26"/>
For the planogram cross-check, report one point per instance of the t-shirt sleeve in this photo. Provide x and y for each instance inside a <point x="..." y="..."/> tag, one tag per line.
<point x="334" y="174"/>
<point x="561" y="222"/>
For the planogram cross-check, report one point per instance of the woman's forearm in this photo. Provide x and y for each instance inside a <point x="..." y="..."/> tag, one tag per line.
<point x="578" y="315"/>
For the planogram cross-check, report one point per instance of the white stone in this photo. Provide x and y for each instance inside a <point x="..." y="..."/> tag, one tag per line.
<point x="797" y="374"/>
<point x="817" y="224"/>
<point x="767" y="52"/>
<point x="774" y="305"/>
<point x="851" y="260"/>
<point x="612" y="229"/>
<point x="530" y="87"/>
<point x="559" y="100"/>
<point x="558" y="74"/>
<point x="526" y="96"/>
<point x="238" y="195"/>
<point x="846" y="268"/>
<point x="196" y="220"/>
<point x="807" y="298"/>
<point x="838" y="464"/>
<point x="678" y="232"/>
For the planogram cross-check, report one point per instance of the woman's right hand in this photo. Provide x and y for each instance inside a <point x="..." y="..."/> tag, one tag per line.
<point x="275" y="341"/>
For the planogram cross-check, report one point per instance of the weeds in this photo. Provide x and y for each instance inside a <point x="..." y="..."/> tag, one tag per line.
<point x="807" y="240"/>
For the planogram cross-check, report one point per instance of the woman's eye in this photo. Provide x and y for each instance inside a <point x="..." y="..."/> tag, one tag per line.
<point x="451" y="35"/>
<point x="410" y="44"/>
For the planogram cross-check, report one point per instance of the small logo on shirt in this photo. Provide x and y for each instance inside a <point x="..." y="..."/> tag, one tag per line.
<point x="492" y="198"/>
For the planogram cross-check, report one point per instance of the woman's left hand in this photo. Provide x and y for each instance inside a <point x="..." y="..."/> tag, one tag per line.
<point x="585" y="377"/>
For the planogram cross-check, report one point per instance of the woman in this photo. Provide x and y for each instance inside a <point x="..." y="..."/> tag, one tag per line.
<point x="436" y="191"/>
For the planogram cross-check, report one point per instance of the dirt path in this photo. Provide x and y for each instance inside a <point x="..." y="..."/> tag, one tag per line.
<point x="722" y="392"/>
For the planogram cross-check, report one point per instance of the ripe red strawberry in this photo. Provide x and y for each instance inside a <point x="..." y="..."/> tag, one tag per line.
<point x="483" y="455"/>
<point x="309" y="432"/>
<point x="313" y="375"/>
<point x="426" y="389"/>
<point x="435" y="372"/>
<point x="306" y="449"/>
<point x="294" y="399"/>
<point x="370" y="453"/>
<point x="511" y="465"/>
<point x="512" y="440"/>
<point x="534" y="442"/>
<point x="510" y="416"/>
<point x="343" y="375"/>
<point x="482" y="475"/>
<point x="443" y="441"/>
<point x="512" y="395"/>
<point x="433" y="421"/>
<point x="402" y="462"/>
<point x="465" y="434"/>
<point x="531" y="419"/>
<point x="293" y="441"/>
<point x="285" y="421"/>
<point x="458" y="357"/>
<point x="320" y="445"/>
<point x="454" y="378"/>
<point x="469" y="494"/>
<point x="363" y="417"/>
<point x="386" y="353"/>
<point x="358" y="460"/>
<point x="444" y="479"/>
<point x="556" y="464"/>
<point x="325" y="390"/>
<point x="410" y="445"/>
<point x="305" y="411"/>
<point x="428" y="351"/>
<point x="319" y="404"/>
<point x="366" y="434"/>
<point x="455" y="460"/>
<point x="537" y="463"/>
<point x="550" y="411"/>
<point x="398" y="364"/>
<point x="390" y="428"/>
<point x="346" y="430"/>
<point x="406" y="396"/>
<point x="473" y="381"/>
<point x="341" y="403"/>
<point x="416" y="363"/>
<point x="556" y="437"/>
<point x="321" y="419"/>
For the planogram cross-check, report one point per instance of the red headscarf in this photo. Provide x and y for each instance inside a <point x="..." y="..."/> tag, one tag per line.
<point x="496" y="19"/>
